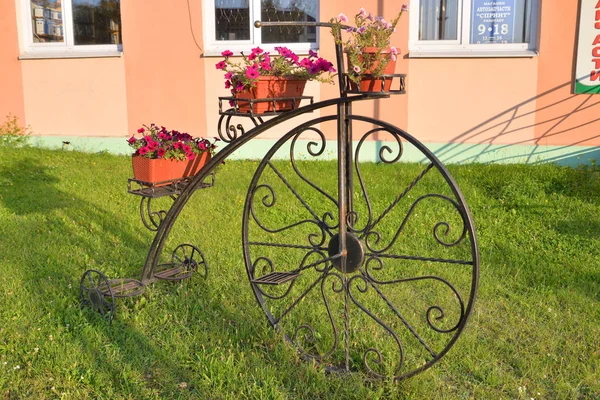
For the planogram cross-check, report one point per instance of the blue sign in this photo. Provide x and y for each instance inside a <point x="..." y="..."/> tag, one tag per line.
<point x="493" y="21"/>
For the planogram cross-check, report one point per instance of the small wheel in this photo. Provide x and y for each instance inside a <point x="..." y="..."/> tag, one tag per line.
<point x="185" y="260"/>
<point x="95" y="292"/>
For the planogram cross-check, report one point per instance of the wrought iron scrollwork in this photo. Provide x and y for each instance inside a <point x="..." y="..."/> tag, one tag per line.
<point x="380" y="280"/>
<point x="150" y="218"/>
<point x="229" y="132"/>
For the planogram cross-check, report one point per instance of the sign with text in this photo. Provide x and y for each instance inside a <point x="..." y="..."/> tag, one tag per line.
<point x="493" y="21"/>
<point x="587" y="70"/>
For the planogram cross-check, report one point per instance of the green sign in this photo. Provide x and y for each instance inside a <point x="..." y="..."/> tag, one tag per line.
<point x="587" y="72"/>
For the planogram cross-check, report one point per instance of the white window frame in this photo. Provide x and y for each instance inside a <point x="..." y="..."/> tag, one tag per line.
<point x="213" y="47"/>
<point x="461" y="47"/>
<point x="65" y="49"/>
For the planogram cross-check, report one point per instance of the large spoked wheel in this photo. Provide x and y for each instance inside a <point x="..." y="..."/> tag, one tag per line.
<point x="382" y="284"/>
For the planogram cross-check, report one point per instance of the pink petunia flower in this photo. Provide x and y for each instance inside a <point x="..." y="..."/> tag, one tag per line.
<point x="404" y="7"/>
<point x="283" y="51"/>
<point x="141" y="130"/>
<point x="362" y="12"/>
<point x="356" y="69"/>
<point x="190" y="156"/>
<point x="143" y="150"/>
<point x="305" y="63"/>
<point x="221" y="65"/>
<point x="160" y="152"/>
<point x="227" y="53"/>
<point x="314" y="69"/>
<point x="342" y="17"/>
<point x="132" y="140"/>
<point x="294" y="57"/>
<point x="265" y="66"/>
<point x="252" y="72"/>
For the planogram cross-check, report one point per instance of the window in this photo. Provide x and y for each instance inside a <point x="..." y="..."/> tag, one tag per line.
<point x="229" y="24"/>
<point x="72" y="26"/>
<point x="473" y="27"/>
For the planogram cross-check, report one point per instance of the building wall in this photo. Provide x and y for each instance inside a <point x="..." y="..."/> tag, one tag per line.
<point x="76" y="96"/>
<point x="11" y="82"/>
<point x="562" y="118"/>
<point x="487" y="108"/>
<point x="165" y="76"/>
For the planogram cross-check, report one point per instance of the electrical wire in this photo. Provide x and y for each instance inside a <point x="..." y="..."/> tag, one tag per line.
<point x="192" y="27"/>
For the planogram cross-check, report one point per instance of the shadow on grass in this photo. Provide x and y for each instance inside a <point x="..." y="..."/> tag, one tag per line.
<point x="31" y="188"/>
<point x="56" y="235"/>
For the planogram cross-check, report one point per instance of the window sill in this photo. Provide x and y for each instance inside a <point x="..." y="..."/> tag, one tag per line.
<point x="473" y="54"/>
<point x="56" y="55"/>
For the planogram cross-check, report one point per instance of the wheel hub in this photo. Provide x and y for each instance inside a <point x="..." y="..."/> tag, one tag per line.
<point x="355" y="252"/>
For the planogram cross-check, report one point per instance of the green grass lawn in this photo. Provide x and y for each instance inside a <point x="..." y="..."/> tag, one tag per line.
<point x="534" y="332"/>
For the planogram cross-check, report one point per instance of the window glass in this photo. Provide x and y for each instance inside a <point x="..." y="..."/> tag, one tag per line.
<point x="289" y="10"/>
<point x="438" y="20"/>
<point x="96" y="22"/>
<point x="47" y="21"/>
<point x="503" y="21"/>
<point x="473" y="27"/>
<point x="232" y="20"/>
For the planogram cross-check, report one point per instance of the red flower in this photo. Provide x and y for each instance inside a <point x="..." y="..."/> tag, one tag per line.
<point x="158" y="142"/>
<point x="141" y="130"/>
<point x="227" y="53"/>
<point x="221" y="65"/>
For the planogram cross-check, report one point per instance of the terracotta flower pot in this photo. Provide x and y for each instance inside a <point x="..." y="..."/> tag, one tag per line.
<point x="269" y="87"/>
<point x="160" y="170"/>
<point x="372" y="84"/>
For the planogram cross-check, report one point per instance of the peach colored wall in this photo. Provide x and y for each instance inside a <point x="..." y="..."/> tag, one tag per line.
<point x="562" y="118"/>
<point x="468" y="100"/>
<point x="164" y="73"/>
<point x="11" y="82"/>
<point x="161" y="78"/>
<point x="79" y="96"/>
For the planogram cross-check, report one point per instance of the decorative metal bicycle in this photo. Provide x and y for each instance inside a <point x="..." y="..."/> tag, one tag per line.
<point x="382" y="285"/>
